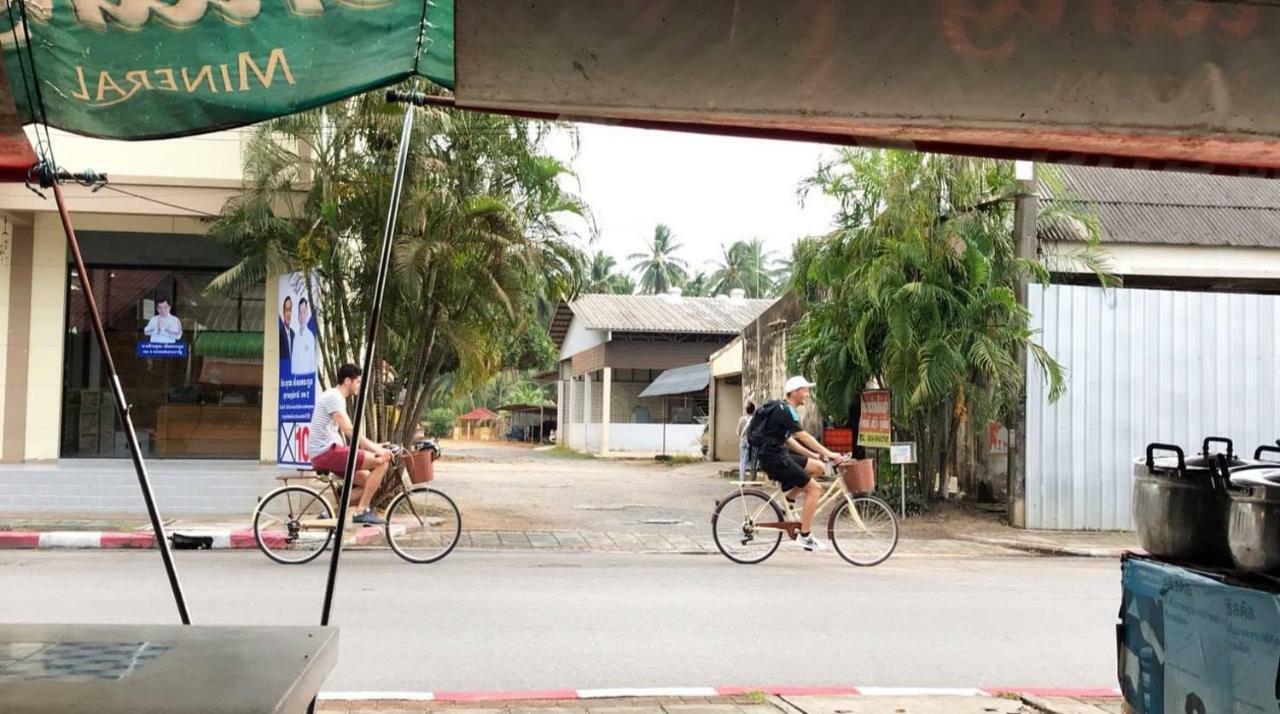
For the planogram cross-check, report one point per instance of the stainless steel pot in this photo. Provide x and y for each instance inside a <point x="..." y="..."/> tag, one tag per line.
<point x="1180" y="509"/>
<point x="1254" y="517"/>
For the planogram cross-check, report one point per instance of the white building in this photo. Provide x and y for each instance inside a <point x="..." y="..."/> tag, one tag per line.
<point x="612" y="347"/>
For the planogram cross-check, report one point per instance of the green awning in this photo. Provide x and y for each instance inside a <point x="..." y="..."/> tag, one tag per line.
<point x="228" y="345"/>
<point x="140" y="69"/>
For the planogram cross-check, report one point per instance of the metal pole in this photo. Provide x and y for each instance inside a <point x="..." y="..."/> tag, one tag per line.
<point x="371" y="340"/>
<point x="902" y="487"/>
<point x="122" y="406"/>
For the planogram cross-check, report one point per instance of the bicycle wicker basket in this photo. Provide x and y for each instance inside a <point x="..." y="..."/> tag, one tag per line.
<point x="419" y="466"/>
<point x="859" y="475"/>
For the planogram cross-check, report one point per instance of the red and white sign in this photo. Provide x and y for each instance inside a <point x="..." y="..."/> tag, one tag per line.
<point x="875" y="427"/>
<point x="997" y="439"/>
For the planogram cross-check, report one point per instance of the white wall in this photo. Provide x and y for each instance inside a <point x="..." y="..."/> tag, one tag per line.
<point x="1143" y="366"/>
<point x="214" y="156"/>
<point x="578" y="338"/>
<point x="647" y="438"/>
<point x="1182" y="261"/>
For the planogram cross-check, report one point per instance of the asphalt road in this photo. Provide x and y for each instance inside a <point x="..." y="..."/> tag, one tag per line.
<point x="524" y="620"/>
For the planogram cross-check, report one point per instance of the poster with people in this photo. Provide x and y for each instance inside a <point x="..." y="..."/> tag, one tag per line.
<point x="162" y="335"/>
<point x="298" y="341"/>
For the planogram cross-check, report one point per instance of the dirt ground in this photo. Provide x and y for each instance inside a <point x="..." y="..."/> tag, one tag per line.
<point x="510" y="486"/>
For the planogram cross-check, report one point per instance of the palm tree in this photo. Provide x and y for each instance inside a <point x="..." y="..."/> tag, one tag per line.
<point x="745" y="265"/>
<point x="602" y="278"/>
<point x="480" y="253"/>
<point x="659" y="269"/>
<point x="916" y="290"/>
<point x="697" y="286"/>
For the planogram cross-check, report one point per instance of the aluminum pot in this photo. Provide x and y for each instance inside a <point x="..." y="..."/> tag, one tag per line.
<point x="1254" y="517"/>
<point x="1180" y="508"/>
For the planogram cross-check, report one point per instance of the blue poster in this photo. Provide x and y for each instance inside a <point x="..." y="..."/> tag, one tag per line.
<point x="299" y="363"/>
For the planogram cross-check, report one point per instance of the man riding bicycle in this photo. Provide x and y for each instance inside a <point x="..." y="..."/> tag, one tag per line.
<point x="331" y="430"/>
<point x="789" y="455"/>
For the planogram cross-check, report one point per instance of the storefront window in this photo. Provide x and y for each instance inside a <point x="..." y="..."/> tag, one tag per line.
<point x="191" y="365"/>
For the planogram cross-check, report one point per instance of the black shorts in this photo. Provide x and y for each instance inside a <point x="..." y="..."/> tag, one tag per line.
<point x="787" y="469"/>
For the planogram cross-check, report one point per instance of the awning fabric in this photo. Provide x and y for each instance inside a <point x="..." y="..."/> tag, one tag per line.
<point x="229" y="345"/>
<point x="681" y="380"/>
<point x="138" y="69"/>
<point x="1156" y="84"/>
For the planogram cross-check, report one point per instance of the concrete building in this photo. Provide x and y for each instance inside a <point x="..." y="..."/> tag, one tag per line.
<point x="754" y="367"/>
<point x="144" y="245"/>
<point x="612" y="347"/>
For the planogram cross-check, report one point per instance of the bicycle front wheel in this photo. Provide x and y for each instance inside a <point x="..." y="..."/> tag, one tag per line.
<point x="423" y="525"/>
<point x="734" y="527"/>
<point x="293" y="525"/>
<point x="865" y="533"/>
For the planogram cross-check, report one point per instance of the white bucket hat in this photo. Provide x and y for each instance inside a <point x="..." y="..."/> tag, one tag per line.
<point x="796" y="382"/>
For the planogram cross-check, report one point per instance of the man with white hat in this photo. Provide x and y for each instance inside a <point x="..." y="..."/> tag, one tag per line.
<point x="791" y="456"/>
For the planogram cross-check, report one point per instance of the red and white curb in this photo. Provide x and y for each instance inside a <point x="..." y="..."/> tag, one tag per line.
<point x="222" y="539"/>
<point x="676" y="692"/>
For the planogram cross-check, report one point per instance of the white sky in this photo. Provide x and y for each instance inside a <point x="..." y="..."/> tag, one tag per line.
<point x="710" y="190"/>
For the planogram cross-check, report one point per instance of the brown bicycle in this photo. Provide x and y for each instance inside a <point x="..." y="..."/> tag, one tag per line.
<point x="294" y="524"/>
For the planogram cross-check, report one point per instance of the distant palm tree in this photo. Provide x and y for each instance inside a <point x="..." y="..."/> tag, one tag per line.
<point x="745" y="265"/>
<point x="697" y="286"/>
<point x="659" y="269"/>
<point x="603" y="278"/>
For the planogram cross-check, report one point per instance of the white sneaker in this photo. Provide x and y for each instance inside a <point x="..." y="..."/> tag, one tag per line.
<point x="809" y="543"/>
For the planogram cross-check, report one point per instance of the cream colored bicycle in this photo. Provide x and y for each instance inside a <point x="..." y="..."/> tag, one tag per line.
<point x="748" y="525"/>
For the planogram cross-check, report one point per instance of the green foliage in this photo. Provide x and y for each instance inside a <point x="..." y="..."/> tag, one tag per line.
<point x="440" y="422"/>
<point x="480" y="256"/>
<point x="889" y="487"/>
<point x="916" y="290"/>
<point x="658" y="268"/>
<point x="602" y="277"/>
<point x="746" y="265"/>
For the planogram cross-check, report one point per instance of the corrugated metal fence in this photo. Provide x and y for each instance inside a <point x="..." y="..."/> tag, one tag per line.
<point x="1144" y="366"/>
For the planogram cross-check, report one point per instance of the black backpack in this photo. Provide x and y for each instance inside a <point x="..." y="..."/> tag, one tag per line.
<point x="755" y="429"/>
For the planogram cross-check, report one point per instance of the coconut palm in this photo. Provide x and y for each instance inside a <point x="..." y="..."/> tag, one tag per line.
<point x="601" y="276"/>
<point x="747" y="266"/>
<point x="698" y="285"/>
<point x="658" y="268"/>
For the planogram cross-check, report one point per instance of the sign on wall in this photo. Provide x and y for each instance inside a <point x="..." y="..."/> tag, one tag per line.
<point x="297" y="338"/>
<point x="875" y="427"/>
<point x="162" y="335"/>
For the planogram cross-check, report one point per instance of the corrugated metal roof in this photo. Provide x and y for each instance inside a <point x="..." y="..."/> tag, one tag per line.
<point x="1173" y="208"/>
<point x="661" y="313"/>
<point x="680" y="380"/>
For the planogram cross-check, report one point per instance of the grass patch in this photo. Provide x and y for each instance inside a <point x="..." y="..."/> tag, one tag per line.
<point x="565" y="452"/>
<point x="757" y="697"/>
<point x="681" y="459"/>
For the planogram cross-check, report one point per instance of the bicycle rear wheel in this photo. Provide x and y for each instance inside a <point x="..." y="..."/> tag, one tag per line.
<point x="865" y="534"/>
<point x="423" y="525"/>
<point x="280" y="525"/>
<point x="733" y="525"/>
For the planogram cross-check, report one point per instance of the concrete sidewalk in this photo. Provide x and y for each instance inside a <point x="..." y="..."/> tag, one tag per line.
<point x="872" y="702"/>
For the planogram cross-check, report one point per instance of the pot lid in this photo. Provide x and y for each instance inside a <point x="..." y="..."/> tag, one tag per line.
<point x="1267" y="477"/>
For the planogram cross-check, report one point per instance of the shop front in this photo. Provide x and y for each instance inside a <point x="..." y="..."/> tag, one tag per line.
<point x="190" y="355"/>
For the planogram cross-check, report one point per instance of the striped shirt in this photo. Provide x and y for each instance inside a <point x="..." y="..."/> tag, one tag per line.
<point x="324" y="428"/>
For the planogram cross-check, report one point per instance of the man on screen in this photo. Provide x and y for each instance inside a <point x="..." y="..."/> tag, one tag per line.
<point x="164" y="328"/>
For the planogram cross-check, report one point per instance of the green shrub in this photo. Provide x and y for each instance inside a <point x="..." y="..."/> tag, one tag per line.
<point x="440" y="423"/>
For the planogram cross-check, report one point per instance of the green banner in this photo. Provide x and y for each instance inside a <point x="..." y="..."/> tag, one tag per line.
<point x="147" y="69"/>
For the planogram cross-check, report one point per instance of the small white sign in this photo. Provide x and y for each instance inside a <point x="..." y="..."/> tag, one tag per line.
<point x="903" y="452"/>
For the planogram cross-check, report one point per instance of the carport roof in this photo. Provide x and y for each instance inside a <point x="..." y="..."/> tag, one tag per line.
<point x="680" y="380"/>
